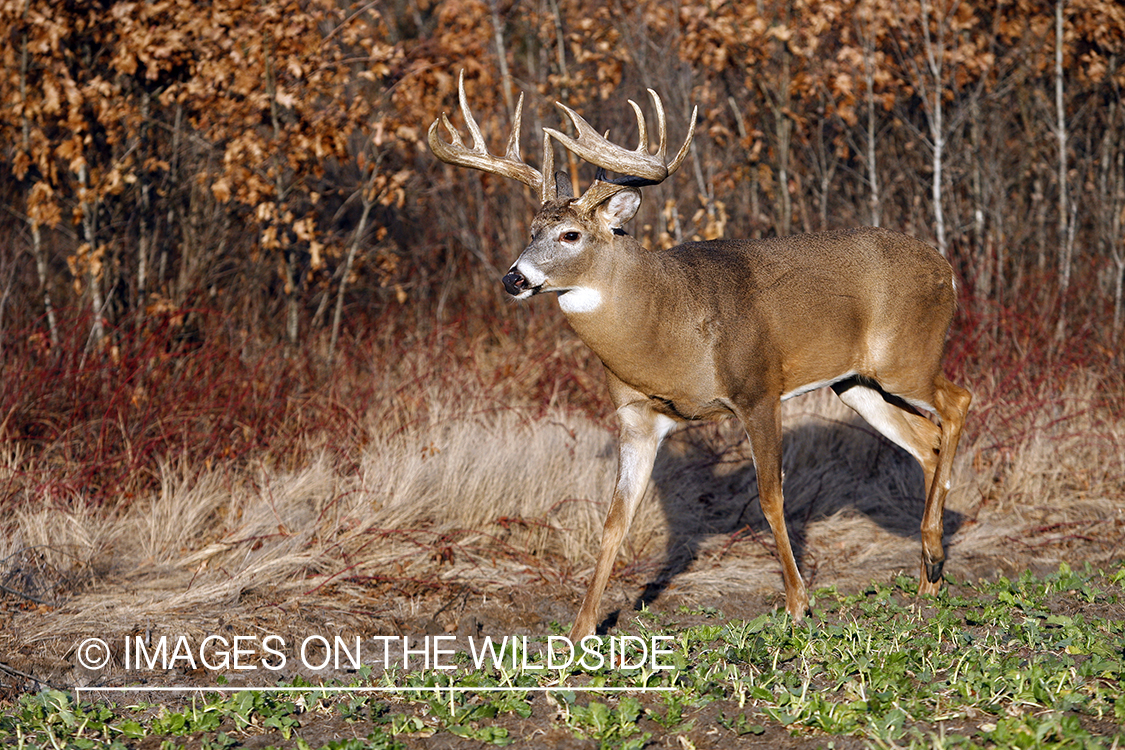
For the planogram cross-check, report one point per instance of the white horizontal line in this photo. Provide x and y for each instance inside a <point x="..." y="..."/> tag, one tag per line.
<point x="386" y="689"/>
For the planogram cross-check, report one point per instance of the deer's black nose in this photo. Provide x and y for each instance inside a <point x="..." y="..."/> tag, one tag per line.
<point x="514" y="282"/>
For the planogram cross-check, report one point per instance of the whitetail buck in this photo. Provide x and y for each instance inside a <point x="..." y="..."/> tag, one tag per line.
<point x="710" y="329"/>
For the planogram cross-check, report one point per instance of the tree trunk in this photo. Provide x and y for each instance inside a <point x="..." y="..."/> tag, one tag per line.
<point x="1066" y="234"/>
<point x="368" y="202"/>
<point x="981" y="251"/>
<point x="94" y="275"/>
<point x="874" y="200"/>
<point x="937" y="126"/>
<point x="1118" y="312"/>
<point x="292" y="279"/>
<point x="36" y="234"/>
<point x="144" y="230"/>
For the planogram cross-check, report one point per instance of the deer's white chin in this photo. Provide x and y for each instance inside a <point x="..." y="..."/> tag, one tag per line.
<point x="580" y="299"/>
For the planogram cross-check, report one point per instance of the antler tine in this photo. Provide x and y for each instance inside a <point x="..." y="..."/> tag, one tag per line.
<point x="642" y="128"/>
<point x="663" y="150"/>
<point x="682" y="154"/>
<point x="548" y="190"/>
<point x="477" y="157"/>
<point x="470" y="121"/>
<point x="638" y="168"/>
<point x="513" y="150"/>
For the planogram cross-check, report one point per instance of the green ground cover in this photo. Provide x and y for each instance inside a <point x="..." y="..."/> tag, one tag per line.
<point x="1036" y="662"/>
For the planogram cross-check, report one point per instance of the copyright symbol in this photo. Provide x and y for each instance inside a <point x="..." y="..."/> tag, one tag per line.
<point x="93" y="653"/>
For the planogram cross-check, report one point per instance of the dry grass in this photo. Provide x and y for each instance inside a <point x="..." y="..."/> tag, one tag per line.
<point x="179" y="490"/>
<point x="489" y="499"/>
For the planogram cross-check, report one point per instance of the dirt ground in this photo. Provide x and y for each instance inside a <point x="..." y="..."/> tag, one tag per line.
<point x="710" y="581"/>
<point x="702" y="548"/>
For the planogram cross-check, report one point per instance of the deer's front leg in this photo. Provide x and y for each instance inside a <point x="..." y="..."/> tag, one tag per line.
<point x="642" y="431"/>
<point x="763" y="426"/>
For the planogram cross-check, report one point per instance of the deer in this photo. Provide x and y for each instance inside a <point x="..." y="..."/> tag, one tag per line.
<point x="712" y="329"/>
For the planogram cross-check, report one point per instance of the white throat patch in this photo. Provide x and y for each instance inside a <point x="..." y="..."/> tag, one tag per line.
<point x="580" y="299"/>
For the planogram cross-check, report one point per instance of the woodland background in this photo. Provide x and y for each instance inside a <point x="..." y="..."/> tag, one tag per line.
<point x="226" y="251"/>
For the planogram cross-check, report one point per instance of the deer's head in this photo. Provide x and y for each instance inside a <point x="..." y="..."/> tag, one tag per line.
<point x="568" y="233"/>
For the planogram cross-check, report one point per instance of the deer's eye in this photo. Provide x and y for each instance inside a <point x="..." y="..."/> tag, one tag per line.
<point x="570" y="236"/>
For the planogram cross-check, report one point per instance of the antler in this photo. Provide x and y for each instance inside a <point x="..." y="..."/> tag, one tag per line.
<point x="511" y="164"/>
<point x="638" y="168"/>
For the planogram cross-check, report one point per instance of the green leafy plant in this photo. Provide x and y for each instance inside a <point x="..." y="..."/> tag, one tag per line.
<point x="1012" y="663"/>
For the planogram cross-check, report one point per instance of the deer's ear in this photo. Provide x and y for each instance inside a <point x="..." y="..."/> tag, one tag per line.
<point x="563" y="188"/>
<point x="619" y="208"/>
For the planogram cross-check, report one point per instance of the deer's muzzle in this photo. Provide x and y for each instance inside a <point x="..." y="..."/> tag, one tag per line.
<point x="515" y="283"/>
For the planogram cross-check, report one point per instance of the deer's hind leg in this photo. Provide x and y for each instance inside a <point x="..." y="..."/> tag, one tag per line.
<point x="931" y="445"/>
<point x="951" y="403"/>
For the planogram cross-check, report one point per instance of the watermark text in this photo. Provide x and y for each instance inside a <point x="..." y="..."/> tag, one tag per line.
<point x="273" y="653"/>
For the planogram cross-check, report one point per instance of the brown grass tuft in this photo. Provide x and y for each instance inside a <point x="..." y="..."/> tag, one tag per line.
<point x="454" y="465"/>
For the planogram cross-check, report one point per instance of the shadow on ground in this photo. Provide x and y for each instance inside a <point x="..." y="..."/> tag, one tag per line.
<point x="706" y="485"/>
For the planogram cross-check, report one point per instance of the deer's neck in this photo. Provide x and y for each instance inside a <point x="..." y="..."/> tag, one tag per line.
<point x="635" y="312"/>
<point x="602" y="307"/>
